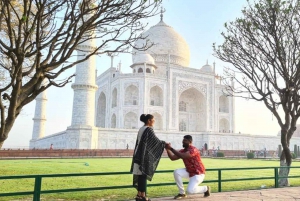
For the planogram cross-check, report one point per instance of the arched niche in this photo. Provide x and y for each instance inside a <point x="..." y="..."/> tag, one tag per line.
<point x="182" y="125"/>
<point x="131" y="95"/>
<point x="156" y="96"/>
<point x="101" y="111"/>
<point x="114" y="99"/>
<point x="113" y="122"/>
<point x="223" y="104"/>
<point x="158" y="121"/>
<point x="192" y="110"/>
<point x="224" y="125"/>
<point x="131" y="120"/>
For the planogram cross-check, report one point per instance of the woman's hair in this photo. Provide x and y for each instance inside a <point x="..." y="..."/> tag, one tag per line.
<point x="145" y="117"/>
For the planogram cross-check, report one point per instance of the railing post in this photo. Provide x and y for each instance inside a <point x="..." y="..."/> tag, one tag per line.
<point x="276" y="177"/>
<point x="37" y="188"/>
<point x="219" y="181"/>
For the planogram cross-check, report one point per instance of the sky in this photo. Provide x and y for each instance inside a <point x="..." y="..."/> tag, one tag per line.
<point x="200" y="22"/>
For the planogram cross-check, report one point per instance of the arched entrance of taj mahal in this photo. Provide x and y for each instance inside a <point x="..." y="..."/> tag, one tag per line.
<point x="192" y="111"/>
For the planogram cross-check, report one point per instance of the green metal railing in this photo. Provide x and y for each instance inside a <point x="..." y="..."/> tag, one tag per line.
<point x="38" y="180"/>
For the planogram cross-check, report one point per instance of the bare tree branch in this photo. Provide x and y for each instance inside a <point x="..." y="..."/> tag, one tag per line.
<point x="42" y="35"/>
<point x="263" y="48"/>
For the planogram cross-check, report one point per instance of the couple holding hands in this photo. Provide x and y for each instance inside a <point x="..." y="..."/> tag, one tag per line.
<point x="147" y="154"/>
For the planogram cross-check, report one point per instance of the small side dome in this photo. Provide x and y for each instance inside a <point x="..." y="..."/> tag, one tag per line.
<point x="207" y="68"/>
<point x="143" y="58"/>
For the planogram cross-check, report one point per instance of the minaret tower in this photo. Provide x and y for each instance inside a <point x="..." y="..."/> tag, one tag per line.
<point x="85" y="82"/>
<point x="39" y="116"/>
<point x="82" y="134"/>
<point x="84" y="87"/>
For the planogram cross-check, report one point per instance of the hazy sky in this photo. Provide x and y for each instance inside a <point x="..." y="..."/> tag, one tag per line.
<point x="200" y="22"/>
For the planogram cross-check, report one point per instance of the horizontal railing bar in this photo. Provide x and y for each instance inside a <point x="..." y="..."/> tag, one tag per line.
<point x="124" y="173"/>
<point x="247" y="179"/>
<point x="84" y="189"/>
<point x="250" y="168"/>
<point x="292" y="177"/>
<point x="17" y="193"/>
<point x="18" y="177"/>
<point x="164" y="184"/>
<point x="288" y="177"/>
<point x="64" y="175"/>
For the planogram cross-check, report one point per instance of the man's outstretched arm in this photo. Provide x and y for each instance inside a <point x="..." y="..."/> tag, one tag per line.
<point x="171" y="155"/>
<point x="174" y="154"/>
<point x="184" y="155"/>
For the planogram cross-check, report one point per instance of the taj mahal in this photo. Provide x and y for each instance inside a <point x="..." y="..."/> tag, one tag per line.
<point x="183" y="99"/>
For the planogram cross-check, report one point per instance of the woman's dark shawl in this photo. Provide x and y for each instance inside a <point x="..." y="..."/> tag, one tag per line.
<point x="147" y="154"/>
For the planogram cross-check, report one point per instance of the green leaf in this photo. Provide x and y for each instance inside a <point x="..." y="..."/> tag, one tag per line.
<point x="24" y="18"/>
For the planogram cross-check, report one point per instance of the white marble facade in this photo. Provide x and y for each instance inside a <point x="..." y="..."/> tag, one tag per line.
<point x="183" y="100"/>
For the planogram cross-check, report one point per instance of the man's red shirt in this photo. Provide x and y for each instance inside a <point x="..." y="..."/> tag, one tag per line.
<point x="193" y="165"/>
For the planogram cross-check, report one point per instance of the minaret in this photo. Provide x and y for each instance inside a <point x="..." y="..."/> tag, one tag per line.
<point x="39" y="118"/>
<point x="233" y="107"/>
<point x="84" y="87"/>
<point x="82" y="134"/>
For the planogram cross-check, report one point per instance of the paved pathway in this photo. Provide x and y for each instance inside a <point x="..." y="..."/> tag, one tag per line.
<point x="273" y="194"/>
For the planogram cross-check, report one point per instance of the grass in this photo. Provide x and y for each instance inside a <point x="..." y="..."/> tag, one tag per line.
<point x="56" y="166"/>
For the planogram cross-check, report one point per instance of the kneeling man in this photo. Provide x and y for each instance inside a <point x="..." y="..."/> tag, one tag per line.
<point x="194" y="169"/>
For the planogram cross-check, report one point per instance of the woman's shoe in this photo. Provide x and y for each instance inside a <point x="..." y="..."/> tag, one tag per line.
<point x="138" y="198"/>
<point x="145" y="199"/>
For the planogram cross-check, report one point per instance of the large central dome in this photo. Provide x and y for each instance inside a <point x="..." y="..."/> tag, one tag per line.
<point x="165" y="41"/>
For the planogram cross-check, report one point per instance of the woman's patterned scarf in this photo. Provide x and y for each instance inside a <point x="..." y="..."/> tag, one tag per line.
<point x="148" y="154"/>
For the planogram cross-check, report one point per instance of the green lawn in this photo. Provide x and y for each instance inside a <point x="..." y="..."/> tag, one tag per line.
<point x="54" y="166"/>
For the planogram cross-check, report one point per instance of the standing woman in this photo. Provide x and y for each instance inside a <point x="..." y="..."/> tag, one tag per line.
<point x="147" y="153"/>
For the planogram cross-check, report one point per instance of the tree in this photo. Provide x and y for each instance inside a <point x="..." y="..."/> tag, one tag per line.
<point x="41" y="37"/>
<point x="263" y="47"/>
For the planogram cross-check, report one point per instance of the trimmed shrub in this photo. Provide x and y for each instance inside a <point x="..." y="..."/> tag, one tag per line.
<point x="293" y="156"/>
<point x="250" y="155"/>
<point x="220" y="154"/>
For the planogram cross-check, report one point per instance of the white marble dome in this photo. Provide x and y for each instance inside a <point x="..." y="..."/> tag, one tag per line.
<point x="143" y="58"/>
<point x="207" y="68"/>
<point x="165" y="41"/>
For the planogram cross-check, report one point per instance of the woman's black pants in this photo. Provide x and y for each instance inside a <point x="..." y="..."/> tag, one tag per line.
<point x="142" y="182"/>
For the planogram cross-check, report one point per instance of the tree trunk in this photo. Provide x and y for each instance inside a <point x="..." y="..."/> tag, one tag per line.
<point x="283" y="172"/>
<point x="286" y="157"/>
<point x="284" y="168"/>
<point x="9" y="122"/>
<point x="1" y="143"/>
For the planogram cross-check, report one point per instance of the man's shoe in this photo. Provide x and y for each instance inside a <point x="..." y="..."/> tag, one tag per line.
<point x="180" y="196"/>
<point x="207" y="193"/>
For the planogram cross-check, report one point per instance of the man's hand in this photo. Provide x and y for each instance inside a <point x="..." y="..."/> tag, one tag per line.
<point x="168" y="146"/>
<point x="170" y="152"/>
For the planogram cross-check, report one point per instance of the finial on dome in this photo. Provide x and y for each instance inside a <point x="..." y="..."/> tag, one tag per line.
<point x="214" y="66"/>
<point x="162" y="10"/>
<point x="120" y="63"/>
<point x="206" y="61"/>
